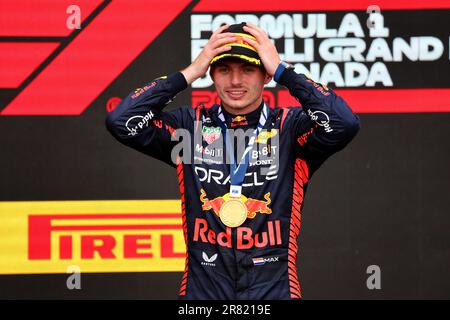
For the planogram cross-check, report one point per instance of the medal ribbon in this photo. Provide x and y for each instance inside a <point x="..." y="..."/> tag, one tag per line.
<point x="237" y="173"/>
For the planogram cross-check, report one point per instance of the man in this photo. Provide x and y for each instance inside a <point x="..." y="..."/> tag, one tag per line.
<point x="241" y="223"/>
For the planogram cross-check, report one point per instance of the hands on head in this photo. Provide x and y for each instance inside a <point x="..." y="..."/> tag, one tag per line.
<point x="265" y="48"/>
<point x="217" y="45"/>
<point x="214" y="46"/>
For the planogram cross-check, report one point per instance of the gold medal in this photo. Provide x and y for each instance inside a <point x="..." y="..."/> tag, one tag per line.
<point x="233" y="212"/>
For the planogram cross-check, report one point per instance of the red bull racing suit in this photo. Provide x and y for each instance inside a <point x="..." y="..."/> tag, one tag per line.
<point x="256" y="260"/>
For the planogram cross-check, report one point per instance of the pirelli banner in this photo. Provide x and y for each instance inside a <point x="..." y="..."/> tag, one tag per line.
<point x="71" y="195"/>
<point x="95" y="236"/>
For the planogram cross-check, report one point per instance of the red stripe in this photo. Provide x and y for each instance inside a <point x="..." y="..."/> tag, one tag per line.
<point x="295" y="208"/>
<point x="18" y="60"/>
<point x="119" y="227"/>
<point x="295" y="286"/>
<point x="182" y="192"/>
<point x="296" y="202"/>
<point x="293" y="244"/>
<point x="325" y="5"/>
<point x="292" y="237"/>
<point x="102" y="51"/>
<point x="294" y="280"/>
<point x="197" y="116"/>
<point x="283" y="117"/>
<point x="294" y="234"/>
<point x="292" y="271"/>
<point x="386" y="100"/>
<point x="291" y="259"/>
<point x="292" y="265"/>
<point x="296" y="292"/>
<point x="302" y="164"/>
<point x="40" y="18"/>
<point x="298" y="187"/>
<point x="111" y="216"/>
<point x="303" y="171"/>
<point x="293" y="240"/>
<point x="302" y="176"/>
<point x="180" y="171"/>
<point x="295" y="229"/>
<point x="298" y="199"/>
<point x="295" y="225"/>
<point x="299" y="193"/>
<point x="293" y="254"/>
<point x="296" y="212"/>
<point x="293" y="276"/>
<point x="298" y="179"/>
<point x="296" y="220"/>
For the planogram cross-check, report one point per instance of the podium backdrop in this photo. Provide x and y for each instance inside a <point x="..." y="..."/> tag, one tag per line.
<point x="69" y="192"/>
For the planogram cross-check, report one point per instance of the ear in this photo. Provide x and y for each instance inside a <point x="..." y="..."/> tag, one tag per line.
<point x="211" y="72"/>
<point x="267" y="78"/>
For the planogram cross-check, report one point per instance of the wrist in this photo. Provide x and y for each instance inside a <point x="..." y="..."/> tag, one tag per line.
<point x="190" y="74"/>
<point x="282" y="66"/>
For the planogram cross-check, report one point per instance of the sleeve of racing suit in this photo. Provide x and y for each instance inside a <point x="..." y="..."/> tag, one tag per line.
<point x="324" y="125"/>
<point x="139" y="122"/>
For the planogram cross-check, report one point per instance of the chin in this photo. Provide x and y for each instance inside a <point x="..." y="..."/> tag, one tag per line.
<point x="237" y="105"/>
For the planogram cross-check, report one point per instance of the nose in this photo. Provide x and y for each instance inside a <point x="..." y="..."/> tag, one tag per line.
<point x="236" y="78"/>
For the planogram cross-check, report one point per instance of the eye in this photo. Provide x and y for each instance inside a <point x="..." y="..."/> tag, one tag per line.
<point x="249" y="69"/>
<point x="222" y="69"/>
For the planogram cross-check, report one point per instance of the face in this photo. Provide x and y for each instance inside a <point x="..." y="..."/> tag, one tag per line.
<point x="239" y="85"/>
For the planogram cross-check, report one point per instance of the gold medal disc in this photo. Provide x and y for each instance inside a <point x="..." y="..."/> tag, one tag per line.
<point x="233" y="212"/>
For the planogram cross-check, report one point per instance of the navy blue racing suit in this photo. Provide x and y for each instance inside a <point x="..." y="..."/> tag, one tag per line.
<point x="256" y="260"/>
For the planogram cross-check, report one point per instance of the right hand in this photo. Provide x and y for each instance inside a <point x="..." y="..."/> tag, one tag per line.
<point x="213" y="47"/>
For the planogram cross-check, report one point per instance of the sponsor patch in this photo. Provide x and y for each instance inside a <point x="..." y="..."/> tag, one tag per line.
<point x="211" y="134"/>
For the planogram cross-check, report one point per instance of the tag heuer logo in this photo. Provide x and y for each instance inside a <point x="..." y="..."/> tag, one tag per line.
<point x="211" y="134"/>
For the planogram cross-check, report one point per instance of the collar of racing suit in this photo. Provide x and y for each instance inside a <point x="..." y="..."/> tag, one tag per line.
<point x="249" y="120"/>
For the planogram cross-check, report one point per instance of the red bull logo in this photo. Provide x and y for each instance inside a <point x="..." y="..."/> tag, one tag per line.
<point x="245" y="237"/>
<point x="254" y="206"/>
<point x="239" y="121"/>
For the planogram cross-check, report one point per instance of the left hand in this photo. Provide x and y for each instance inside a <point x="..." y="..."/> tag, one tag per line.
<point x="265" y="48"/>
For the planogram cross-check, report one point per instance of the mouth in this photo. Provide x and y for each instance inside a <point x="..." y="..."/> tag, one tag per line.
<point x="236" y="94"/>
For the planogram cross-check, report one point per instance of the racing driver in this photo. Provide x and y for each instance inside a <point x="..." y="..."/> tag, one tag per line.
<point x="241" y="206"/>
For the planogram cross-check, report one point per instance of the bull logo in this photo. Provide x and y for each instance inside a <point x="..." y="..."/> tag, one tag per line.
<point x="254" y="206"/>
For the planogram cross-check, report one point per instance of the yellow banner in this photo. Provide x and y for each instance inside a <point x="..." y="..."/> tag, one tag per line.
<point x="95" y="236"/>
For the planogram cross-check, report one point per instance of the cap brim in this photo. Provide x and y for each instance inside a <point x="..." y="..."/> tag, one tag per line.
<point x="252" y="60"/>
